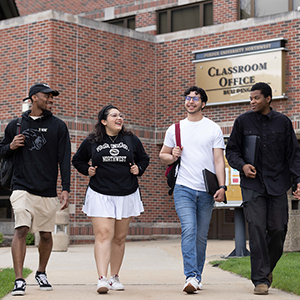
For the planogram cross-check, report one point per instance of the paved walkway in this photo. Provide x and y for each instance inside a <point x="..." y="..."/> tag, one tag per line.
<point x="151" y="270"/>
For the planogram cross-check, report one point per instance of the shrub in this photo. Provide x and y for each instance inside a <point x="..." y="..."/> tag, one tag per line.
<point x="1" y="238"/>
<point x="30" y="238"/>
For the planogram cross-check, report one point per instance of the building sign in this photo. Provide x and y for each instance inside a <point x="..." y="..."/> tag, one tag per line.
<point x="227" y="74"/>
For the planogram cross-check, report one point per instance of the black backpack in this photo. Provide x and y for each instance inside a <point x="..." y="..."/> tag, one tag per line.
<point x="7" y="165"/>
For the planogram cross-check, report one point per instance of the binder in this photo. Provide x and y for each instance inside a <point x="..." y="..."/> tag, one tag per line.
<point x="250" y="149"/>
<point x="211" y="183"/>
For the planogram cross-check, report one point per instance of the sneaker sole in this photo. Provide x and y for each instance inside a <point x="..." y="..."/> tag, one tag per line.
<point x="260" y="293"/>
<point x="102" y="290"/>
<point x="46" y="288"/>
<point x="190" y="289"/>
<point x="18" y="293"/>
<point x="114" y="289"/>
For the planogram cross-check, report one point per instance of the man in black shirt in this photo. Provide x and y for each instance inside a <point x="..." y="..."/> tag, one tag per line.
<point x="264" y="185"/>
<point x="43" y="144"/>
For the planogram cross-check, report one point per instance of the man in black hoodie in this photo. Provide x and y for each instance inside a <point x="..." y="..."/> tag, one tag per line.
<point x="42" y="145"/>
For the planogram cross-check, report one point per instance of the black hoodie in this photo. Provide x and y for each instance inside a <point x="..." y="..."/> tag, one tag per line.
<point x="47" y="145"/>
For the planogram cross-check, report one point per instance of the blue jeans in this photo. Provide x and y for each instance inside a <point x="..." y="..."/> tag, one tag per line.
<point x="194" y="210"/>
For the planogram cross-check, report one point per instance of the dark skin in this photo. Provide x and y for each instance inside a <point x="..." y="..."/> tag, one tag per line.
<point x="40" y="103"/>
<point x="260" y="103"/>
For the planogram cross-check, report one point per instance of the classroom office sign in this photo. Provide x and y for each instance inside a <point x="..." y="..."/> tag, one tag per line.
<point x="227" y="74"/>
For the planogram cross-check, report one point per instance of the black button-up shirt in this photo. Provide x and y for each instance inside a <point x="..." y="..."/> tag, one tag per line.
<point x="278" y="155"/>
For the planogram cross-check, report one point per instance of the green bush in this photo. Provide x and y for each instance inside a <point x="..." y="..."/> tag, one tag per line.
<point x="1" y="238"/>
<point x="30" y="238"/>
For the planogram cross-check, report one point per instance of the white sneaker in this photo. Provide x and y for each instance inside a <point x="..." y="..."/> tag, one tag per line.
<point x="191" y="285"/>
<point x="103" y="285"/>
<point x="115" y="283"/>
<point x="200" y="286"/>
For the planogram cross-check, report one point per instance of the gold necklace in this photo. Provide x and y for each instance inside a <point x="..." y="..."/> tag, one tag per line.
<point x="113" y="139"/>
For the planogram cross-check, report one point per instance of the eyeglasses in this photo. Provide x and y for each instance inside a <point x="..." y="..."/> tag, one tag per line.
<point x="188" y="98"/>
<point x="115" y="115"/>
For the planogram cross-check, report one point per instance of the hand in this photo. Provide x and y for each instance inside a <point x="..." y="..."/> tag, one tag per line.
<point x="92" y="171"/>
<point x="64" y="200"/>
<point x="249" y="171"/>
<point x="219" y="196"/>
<point x="134" y="169"/>
<point x="18" y="141"/>
<point x="297" y="192"/>
<point x="176" y="152"/>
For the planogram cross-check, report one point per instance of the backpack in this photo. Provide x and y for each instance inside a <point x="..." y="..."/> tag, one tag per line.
<point x="172" y="170"/>
<point x="7" y="164"/>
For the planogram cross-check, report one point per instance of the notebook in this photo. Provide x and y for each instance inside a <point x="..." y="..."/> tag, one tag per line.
<point x="211" y="183"/>
<point x="250" y="149"/>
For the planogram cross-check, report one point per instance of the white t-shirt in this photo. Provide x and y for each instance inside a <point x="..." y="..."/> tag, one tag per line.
<point x="198" y="140"/>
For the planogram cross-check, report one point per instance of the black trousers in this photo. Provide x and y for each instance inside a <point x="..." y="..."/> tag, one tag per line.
<point x="267" y="218"/>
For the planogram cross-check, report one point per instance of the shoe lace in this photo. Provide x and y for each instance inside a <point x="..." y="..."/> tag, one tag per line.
<point x="19" y="283"/>
<point x="43" y="278"/>
<point x="115" y="278"/>
<point x="102" y="278"/>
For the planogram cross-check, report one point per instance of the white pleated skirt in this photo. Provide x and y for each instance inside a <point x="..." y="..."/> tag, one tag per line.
<point x="117" y="207"/>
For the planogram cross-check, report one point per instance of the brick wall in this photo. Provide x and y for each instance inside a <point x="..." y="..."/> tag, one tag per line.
<point x="93" y="64"/>
<point x="175" y="70"/>
<point x="224" y="10"/>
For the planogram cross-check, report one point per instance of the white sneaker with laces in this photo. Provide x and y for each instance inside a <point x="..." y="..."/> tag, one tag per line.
<point x="103" y="285"/>
<point x="115" y="283"/>
<point x="200" y="286"/>
<point x="191" y="285"/>
<point x="19" y="287"/>
<point x="41" y="279"/>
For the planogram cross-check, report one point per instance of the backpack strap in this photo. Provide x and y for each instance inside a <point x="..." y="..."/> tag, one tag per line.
<point x="19" y="122"/>
<point x="177" y="134"/>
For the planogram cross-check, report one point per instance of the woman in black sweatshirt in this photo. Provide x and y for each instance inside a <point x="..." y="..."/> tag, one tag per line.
<point x="112" y="198"/>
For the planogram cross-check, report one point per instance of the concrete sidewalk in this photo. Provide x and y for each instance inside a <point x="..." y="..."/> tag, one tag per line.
<point x="151" y="270"/>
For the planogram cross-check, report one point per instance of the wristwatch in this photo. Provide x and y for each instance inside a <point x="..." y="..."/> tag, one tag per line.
<point x="223" y="187"/>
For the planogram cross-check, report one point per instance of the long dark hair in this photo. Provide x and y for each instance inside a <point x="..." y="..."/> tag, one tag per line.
<point x="99" y="132"/>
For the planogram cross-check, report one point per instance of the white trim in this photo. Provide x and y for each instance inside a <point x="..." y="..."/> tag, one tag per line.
<point x="147" y="28"/>
<point x="230" y="204"/>
<point x="241" y="54"/>
<point x="240" y="45"/>
<point x="109" y="13"/>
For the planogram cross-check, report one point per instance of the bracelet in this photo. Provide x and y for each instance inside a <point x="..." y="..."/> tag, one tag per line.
<point x="223" y="187"/>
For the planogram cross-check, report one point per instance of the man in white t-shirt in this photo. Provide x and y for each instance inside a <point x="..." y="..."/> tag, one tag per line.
<point x="202" y="147"/>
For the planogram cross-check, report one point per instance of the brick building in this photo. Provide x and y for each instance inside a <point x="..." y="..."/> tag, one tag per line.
<point x="142" y="69"/>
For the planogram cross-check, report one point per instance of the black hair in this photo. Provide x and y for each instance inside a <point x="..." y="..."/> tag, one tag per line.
<point x="99" y="132"/>
<point x="264" y="88"/>
<point x="198" y="91"/>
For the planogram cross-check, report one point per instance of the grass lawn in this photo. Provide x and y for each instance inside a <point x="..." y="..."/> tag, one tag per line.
<point x="7" y="280"/>
<point x="286" y="275"/>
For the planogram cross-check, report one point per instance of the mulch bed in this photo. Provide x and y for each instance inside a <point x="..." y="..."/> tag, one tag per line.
<point x="7" y="242"/>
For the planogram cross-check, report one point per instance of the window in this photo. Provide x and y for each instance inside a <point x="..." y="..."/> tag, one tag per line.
<point x="8" y="9"/>
<point x="128" y="22"/>
<point x="187" y="17"/>
<point x="260" y="8"/>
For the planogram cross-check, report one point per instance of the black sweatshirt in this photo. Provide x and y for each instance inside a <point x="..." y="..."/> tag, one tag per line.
<point x="47" y="145"/>
<point x="113" y="161"/>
